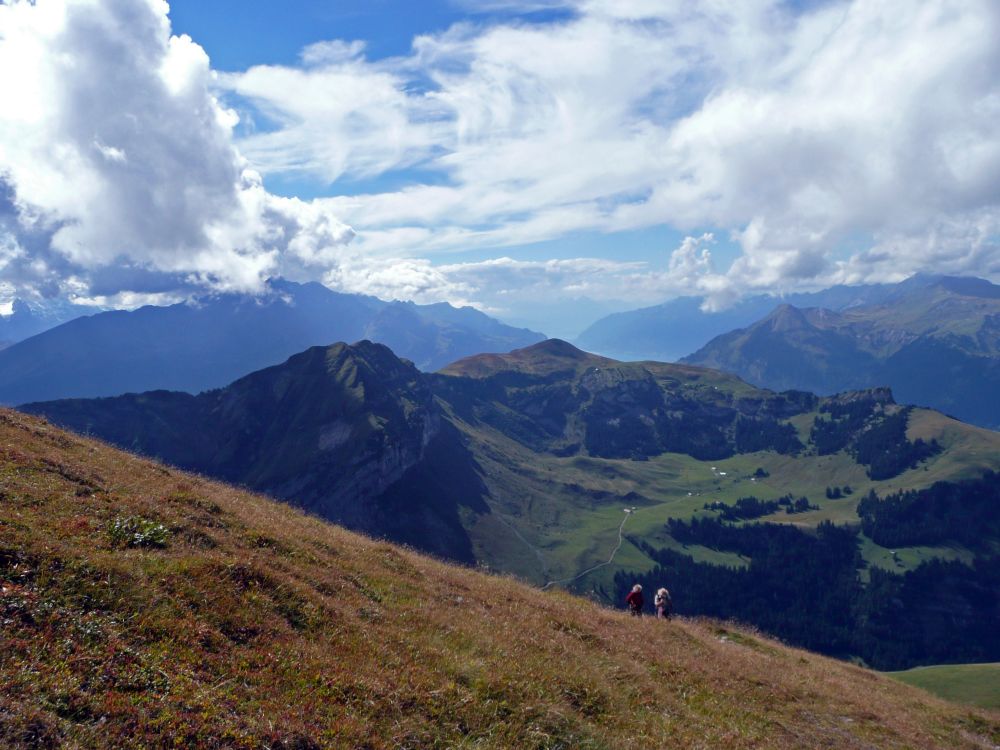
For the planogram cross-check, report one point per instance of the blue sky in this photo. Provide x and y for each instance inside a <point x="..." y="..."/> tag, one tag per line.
<point x="237" y="36"/>
<point x="240" y="34"/>
<point x="544" y="160"/>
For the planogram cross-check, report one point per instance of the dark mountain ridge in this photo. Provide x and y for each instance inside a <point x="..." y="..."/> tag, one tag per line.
<point x="332" y="428"/>
<point x="354" y="434"/>
<point x="554" y="397"/>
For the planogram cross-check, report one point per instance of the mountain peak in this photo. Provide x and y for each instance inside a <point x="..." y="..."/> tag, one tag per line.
<point x="553" y="348"/>
<point x="336" y="359"/>
<point x="786" y="317"/>
<point x="543" y="358"/>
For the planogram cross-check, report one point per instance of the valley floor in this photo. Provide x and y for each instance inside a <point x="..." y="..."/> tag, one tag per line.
<point x="972" y="684"/>
<point x="554" y="518"/>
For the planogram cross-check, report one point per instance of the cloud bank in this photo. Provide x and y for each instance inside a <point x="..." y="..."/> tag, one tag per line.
<point x="853" y="141"/>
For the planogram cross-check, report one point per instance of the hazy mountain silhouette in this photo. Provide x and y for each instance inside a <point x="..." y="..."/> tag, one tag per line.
<point x="934" y="340"/>
<point x="679" y="327"/>
<point x="210" y="342"/>
<point x="26" y="320"/>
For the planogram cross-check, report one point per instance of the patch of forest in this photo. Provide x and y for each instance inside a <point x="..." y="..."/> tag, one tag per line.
<point x="752" y="435"/>
<point x="842" y="422"/>
<point x="884" y="449"/>
<point x="966" y="513"/>
<point x="805" y="586"/>
<point x="748" y="508"/>
<point x="875" y="439"/>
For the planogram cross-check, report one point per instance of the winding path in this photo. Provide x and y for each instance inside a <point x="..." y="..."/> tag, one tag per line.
<point x="578" y="576"/>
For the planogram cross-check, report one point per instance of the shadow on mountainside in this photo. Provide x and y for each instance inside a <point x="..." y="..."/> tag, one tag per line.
<point x="423" y="508"/>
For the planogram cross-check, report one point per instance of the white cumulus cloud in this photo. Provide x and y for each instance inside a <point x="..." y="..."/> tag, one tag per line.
<point x="833" y="141"/>
<point x="117" y="161"/>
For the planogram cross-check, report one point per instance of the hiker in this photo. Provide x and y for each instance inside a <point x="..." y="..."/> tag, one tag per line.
<point x="662" y="603"/>
<point x="635" y="601"/>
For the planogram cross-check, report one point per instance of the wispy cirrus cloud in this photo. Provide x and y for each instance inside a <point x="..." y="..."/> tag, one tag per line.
<point x="854" y="141"/>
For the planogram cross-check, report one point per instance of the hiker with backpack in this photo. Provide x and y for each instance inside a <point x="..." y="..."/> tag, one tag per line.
<point x="635" y="601"/>
<point x="662" y="603"/>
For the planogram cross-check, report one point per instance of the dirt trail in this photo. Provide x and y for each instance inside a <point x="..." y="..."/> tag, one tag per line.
<point x="578" y="576"/>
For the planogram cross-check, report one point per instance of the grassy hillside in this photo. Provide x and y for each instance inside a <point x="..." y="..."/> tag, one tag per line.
<point x="566" y="469"/>
<point x="554" y="517"/>
<point x="974" y="684"/>
<point x="143" y="606"/>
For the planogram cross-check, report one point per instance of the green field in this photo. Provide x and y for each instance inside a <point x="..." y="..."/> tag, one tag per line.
<point x="554" y="517"/>
<point x="971" y="684"/>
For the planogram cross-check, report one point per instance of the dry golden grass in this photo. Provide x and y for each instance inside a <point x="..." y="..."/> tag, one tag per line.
<point x="222" y="619"/>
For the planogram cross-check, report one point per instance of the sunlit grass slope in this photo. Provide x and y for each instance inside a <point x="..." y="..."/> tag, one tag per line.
<point x="145" y="607"/>
<point x="556" y="516"/>
<point x="975" y="684"/>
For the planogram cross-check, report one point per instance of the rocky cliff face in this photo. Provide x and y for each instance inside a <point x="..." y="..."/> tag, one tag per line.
<point x="553" y="397"/>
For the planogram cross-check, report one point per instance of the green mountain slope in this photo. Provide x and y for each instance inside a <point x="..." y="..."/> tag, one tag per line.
<point x="526" y="462"/>
<point x="142" y="606"/>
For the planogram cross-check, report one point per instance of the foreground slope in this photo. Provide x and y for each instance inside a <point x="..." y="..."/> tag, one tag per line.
<point x="145" y="606"/>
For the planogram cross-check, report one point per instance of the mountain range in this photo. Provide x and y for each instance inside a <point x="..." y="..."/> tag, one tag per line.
<point x="525" y="461"/>
<point x="935" y="341"/>
<point x="671" y="330"/>
<point x="208" y="342"/>
<point x="144" y="606"/>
